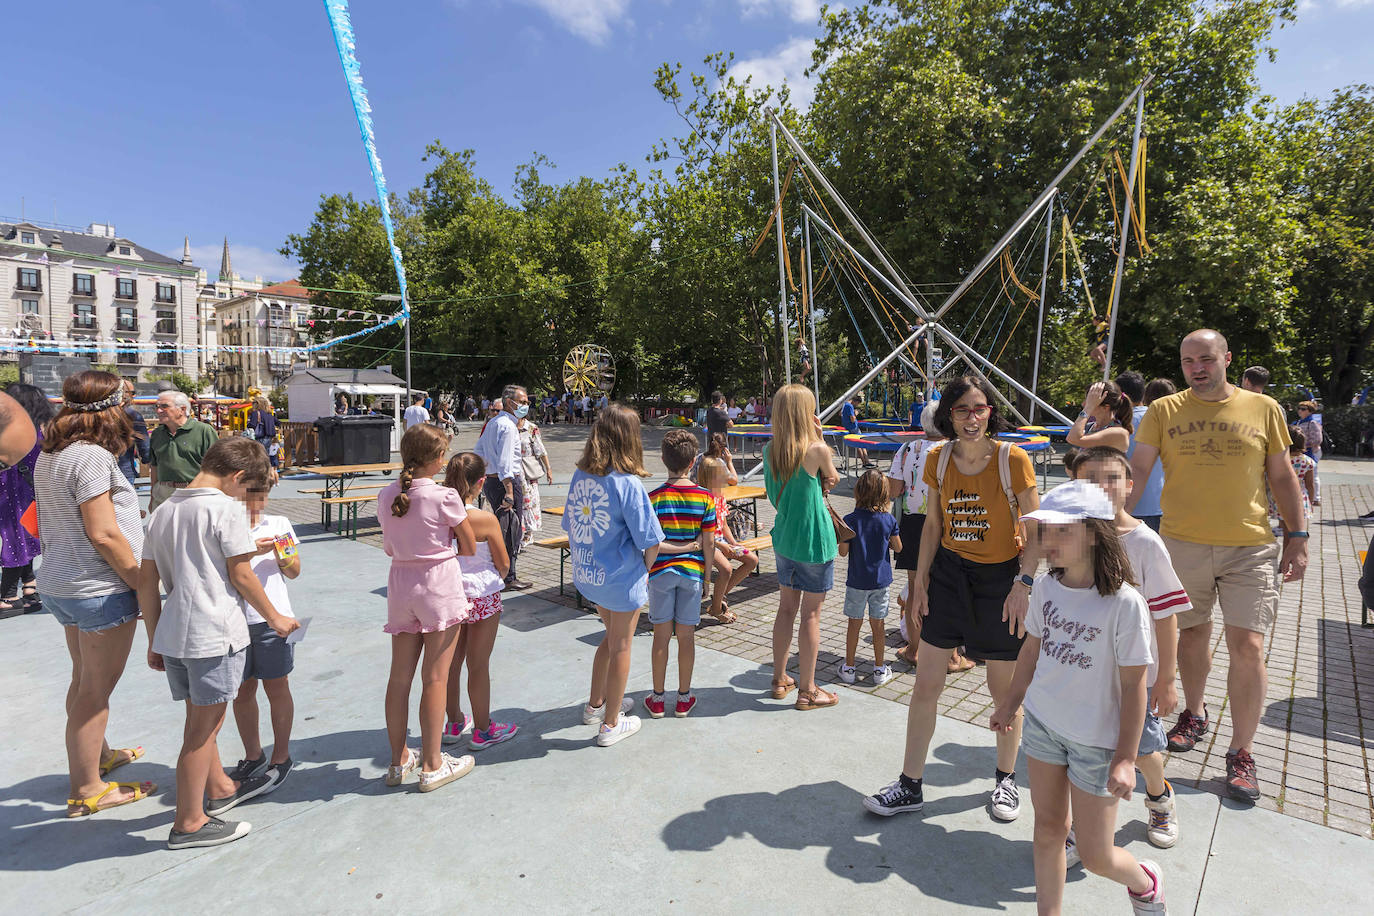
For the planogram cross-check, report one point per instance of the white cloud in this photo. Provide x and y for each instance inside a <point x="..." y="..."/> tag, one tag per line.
<point x="805" y="11"/>
<point x="1318" y="6"/>
<point x="248" y="260"/>
<point x="589" y="19"/>
<point x="785" y="64"/>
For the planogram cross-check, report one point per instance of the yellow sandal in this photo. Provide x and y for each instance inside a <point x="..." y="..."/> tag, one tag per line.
<point x="113" y="762"/>
<point x="91" y="805"/>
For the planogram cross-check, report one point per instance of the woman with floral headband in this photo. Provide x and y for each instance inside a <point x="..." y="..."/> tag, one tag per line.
<point x="92" y="540"/>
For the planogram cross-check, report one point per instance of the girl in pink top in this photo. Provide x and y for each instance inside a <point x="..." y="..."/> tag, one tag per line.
<point x="424" y="602"/>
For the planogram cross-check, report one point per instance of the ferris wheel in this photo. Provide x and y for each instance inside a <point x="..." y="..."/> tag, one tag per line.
<point x="588" y="368"/>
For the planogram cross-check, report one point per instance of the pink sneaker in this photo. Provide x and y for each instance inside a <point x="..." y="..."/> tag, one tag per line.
<point x="654" y="707"/>
<point x="495" y="734"/>
<point x="685" y="706"/>
<point x="454" y="731"/>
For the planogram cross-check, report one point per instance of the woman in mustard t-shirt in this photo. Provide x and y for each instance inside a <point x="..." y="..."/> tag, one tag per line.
<point x="966" y="584"/>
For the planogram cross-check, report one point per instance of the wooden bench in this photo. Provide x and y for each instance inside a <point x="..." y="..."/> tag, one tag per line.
<point x="325" y="491"/>
<point x="561" y="544"/>
<point x="348" y="511"/>
<point x="758" y="545"/>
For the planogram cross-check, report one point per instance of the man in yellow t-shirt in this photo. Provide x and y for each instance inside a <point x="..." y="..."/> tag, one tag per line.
<point x="1218" y="443"/>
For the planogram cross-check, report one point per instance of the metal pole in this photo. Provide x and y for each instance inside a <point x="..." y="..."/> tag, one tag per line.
<point x="406" y="306"/>
<point x="1120" y="277"/>
<point x="811" y="311"/>
<point x="1006" y="238"/>
<point x="782" y="276"/>
<point x="1044" y="287"/>
<point x="953" y="341"/>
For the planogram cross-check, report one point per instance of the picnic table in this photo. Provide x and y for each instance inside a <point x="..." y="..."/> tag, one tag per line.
<point x="338" y="477"/>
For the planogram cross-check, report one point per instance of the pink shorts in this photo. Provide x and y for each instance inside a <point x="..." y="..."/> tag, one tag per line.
<point x="424" y="596"/>
<point x="481" y="608"/>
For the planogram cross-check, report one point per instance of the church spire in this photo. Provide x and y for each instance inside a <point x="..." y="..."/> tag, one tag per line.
<point x="186" y="250"/>
<point x="226" y="270"/>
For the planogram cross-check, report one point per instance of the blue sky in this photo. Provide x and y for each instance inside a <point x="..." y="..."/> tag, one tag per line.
<point x="230" y="117"/>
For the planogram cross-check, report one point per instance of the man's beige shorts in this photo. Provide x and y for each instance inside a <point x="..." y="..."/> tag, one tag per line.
<point x="1244" y="579"/>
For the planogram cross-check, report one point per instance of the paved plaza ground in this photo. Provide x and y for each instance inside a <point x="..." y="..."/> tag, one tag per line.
<point x="745" y="806"/>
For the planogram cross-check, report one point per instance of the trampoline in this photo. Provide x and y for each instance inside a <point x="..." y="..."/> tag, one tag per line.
<point x="1056" y="433"/>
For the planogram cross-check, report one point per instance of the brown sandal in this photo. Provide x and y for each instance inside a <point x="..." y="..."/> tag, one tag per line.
<point x="782" y="688"/>
<point x="724" y="615"/>
<point x="817" y="699"/>
<point x="959" y="664"/>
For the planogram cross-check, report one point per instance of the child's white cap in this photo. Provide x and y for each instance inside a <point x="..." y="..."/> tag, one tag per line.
<point x="1073" y="502"/>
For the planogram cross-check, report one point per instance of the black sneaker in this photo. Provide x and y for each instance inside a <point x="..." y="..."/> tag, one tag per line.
<point x="247" y="769"/>
<point x="215" y="833"/>
<point x="248" y="788"/>
<point x="276" y="774"/>
<point x="1188" y="731"/>
<point x="1006" y="799"/>
<point x="895" y="799"/>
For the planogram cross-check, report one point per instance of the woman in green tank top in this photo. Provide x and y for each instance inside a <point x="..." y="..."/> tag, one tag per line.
<point x="798" y="469"/>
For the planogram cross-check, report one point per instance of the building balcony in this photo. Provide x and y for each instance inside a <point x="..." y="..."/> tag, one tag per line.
<point x="84" y="323"/>
<point x="166" y="300"/>
<point x="126" y="325"/>
<point x="165" y="326"/>
<point x="126" y="357"/>
<point x="127" y="295"/>
<point x="83" y="292"/>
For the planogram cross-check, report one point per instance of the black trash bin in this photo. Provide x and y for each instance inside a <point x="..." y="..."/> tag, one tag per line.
<point x="328" y="448"/>
<point x="364" y="440"/>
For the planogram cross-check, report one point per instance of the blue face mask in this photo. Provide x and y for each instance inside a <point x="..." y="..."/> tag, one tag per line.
<point x="521" y="411"/>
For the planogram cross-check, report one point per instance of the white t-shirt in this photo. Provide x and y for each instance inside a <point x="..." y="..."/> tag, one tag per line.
<point x="266" y="568"/>
<point x="909" y="466"/>
<point x="1084" y="638"/>
<point x="1159" y="584"/>
<point x="414" y="414"/>
<point x="751" y="411"/>
<point x="733" y="412"/>
<point x="190" y="537"/>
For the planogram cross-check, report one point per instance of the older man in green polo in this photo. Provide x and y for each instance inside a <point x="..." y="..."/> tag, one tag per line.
<point x="177" y="445"/>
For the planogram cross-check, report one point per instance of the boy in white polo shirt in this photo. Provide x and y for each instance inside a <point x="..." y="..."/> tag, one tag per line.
<point x="200" y="548"/>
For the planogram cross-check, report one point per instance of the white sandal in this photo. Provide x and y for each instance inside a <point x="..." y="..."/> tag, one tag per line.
<point x="450" y="768"/>
<point x="397" y="775"/>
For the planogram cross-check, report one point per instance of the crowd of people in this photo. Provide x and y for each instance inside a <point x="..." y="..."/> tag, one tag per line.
<point x="1167" y="514"/>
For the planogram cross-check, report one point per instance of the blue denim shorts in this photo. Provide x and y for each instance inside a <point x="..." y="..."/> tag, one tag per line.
<point x="91" y="615"/>
<point x="806" y="577"/>
<point x="674" y="598"/>
<point x="858" y="601"/>
<point x="1088" y="766"/>
<point x="269" y="655"/>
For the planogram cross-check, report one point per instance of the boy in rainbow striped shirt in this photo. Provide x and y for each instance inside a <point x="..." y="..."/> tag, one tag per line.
<point x="687" y="513"/>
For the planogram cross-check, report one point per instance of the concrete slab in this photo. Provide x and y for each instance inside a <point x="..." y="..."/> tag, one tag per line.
<point x="747" y="805"/>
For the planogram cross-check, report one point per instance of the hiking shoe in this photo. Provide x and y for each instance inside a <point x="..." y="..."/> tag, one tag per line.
<point x="611" y="734"/>
<point x="1006" y="800"/>
<point x="1241" y="781"/>
<point x="1188" y="731"/>
<point x="494" y="734"/>
<point x="882" y="674"/>
<point x="1071" y="857"/>
<point x="596" y="715"/>
<point x="276" y="774"/>
<point x="215" y="833"/>
<point x="247" y="769"/>
<point x="450" y="768"/>
<point x="1162" y="830"/>
<point x="1154" y="901"/>
<point x="454" y="731"/>
<point x="684" y="707"/>
<point x="894" y="799"/>
<point x="248" y="788"/>
<point x="849" y="673"/>
<point x="654" y="705"/>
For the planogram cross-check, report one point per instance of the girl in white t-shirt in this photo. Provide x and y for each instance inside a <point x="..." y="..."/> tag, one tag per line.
<point x="270" y="658"/>
<point x="1081" y="674"/>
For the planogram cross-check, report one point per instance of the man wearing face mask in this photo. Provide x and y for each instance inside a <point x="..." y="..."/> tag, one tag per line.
<point x="499" y="447"/>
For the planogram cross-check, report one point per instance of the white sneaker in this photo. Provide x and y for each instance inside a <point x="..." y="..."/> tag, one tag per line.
<point x="1163" y="821"/>
<point x="1071" y="857"/>
<point x="849" y="673"/>
<point x="610" y="734"/>
<point x="1006" y="800"/>
<point x="1154" y="904"/>
<point x="882" y="674"/>
<point x="592" y="716"/>
<point x="450" y="768"/>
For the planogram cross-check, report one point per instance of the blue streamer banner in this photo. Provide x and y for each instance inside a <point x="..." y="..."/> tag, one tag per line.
<point x="342" y="26"/>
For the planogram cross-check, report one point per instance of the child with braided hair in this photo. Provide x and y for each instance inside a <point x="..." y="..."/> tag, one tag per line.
<point x="425" y="602"/>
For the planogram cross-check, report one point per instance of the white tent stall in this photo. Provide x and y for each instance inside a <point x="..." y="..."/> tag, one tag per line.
<point x="311" y="393"/>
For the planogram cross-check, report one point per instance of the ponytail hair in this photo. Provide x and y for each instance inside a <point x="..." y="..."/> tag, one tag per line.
<point x="1120" y="405"/>
<point x="464" y="472"/>
<point x="422" y="444"/>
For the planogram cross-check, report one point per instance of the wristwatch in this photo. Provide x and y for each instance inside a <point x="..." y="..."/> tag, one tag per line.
<point x="1026" y="580"/>
<point x="1299" y="534"/>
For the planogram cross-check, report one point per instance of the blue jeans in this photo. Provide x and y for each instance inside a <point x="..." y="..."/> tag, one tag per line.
<point x="806" y="577"/>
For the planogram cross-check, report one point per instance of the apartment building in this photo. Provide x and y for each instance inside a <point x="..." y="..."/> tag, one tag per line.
<point x="276" y="317"/>
<point x="97" y="294"/>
